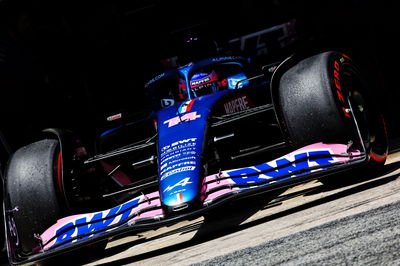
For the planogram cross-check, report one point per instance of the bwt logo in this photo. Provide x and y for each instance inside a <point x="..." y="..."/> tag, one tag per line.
<point x="284" y="166"/>
<point x="100" y="220"/>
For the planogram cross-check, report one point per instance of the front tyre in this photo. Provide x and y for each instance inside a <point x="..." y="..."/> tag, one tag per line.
<point x="31" y="183"/>
<point x="321" y="97"/>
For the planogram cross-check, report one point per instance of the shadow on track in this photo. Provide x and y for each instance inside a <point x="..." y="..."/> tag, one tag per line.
<point x="228" y="219"/>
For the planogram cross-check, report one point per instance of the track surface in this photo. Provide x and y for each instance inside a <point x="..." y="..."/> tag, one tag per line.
<point x="356" y="224"/>
<point x="369" y="238"/>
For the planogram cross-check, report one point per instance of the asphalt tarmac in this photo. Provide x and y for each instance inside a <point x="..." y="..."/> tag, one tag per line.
<point x="369" y="238"/>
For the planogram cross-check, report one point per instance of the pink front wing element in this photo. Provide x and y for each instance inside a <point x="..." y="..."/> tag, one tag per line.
<point x="110" y="216"/>
<point x="83" y="225"/>
<point x="221" y="182"/>
<point x="328" y="149"/>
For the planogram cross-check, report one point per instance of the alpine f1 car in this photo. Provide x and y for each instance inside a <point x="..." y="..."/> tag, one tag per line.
<point x="217" y="131"/>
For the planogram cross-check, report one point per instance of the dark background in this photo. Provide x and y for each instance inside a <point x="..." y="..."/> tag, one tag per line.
<point x="68" y="63"/>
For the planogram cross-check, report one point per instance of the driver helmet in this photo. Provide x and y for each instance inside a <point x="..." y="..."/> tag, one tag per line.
<point x="203" y="83"/>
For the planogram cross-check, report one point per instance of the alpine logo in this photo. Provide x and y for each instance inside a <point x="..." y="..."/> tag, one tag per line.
<point x="182" y="183"/>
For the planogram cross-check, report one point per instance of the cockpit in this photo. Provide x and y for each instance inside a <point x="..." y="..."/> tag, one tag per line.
<point x="197" y="79"/>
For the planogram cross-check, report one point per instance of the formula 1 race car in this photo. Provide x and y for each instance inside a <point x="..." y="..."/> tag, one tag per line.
<point x="216" y="131"/>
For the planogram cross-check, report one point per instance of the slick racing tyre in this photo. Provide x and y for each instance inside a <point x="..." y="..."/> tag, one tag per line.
<point x="31" y="179"/>
<point x="324" y="98"/>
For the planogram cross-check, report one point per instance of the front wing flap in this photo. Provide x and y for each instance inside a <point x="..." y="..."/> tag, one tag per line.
<point x="144" y="212"/>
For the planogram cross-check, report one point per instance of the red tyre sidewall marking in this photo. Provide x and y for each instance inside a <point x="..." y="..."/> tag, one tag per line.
<point x="59" y="172"/>
<point x="340" y="92"/>
<point x="378" y="158"/>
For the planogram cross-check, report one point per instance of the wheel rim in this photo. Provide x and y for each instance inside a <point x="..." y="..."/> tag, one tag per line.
<point x="368" y="121"/>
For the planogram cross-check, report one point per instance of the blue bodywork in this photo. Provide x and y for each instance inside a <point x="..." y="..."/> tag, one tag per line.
<point x="181" y="131"/>
<point x="181" y="139"/>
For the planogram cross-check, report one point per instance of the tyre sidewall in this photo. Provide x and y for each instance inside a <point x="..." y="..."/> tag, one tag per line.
<point x="31" y="191"/>
<point x="314" y="105"/>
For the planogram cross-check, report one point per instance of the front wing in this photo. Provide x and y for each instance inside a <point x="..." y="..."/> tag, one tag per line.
<point x="144" y="212"/>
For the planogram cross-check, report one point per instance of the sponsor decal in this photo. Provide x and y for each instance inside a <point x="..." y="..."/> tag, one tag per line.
<point x="184" y="141"/>
<point x="154" y="79"/>
<point x="284" y="165"/>
<point x="177" y="166"/>
<point x="77" y="227"/>
<point x="226" y="58"/>
<point x="237" y="104"/>
<point x="167" y="103"/>
<point x="184" y="118"/>
<point x="182" y="183"/>
<point x="186" y="66"/>
<point x="196" y="83"/>
<point x="114" y="117"/>
<point x="178" y="170"/>
<point x="93" y="222"/>
<point x="297" y="163"/>
<point x="199" y="79"/>
<point x="338" y="87"/>
<point x="178" y="157"/>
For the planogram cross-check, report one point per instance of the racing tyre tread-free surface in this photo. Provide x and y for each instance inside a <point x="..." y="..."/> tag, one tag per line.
<point x="314" y="98"/>
<point x="31" y="190"/>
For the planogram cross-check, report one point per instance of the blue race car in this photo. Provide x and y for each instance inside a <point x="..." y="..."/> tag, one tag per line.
<point x="216" y="131"/>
